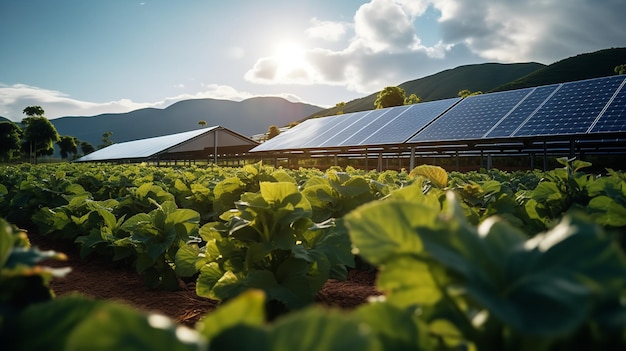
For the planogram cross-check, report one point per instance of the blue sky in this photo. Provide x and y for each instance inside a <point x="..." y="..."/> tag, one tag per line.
<point x="77" y="57"/>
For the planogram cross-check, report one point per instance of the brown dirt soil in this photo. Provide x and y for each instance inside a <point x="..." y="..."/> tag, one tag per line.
<point x="98" y="278"/>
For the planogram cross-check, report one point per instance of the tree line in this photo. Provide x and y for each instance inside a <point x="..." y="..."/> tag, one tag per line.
<point x="37" y="136"/>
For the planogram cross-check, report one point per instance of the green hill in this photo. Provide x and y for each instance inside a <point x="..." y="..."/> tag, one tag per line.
<point x="584" y="66"/>
<point x="448" y="83"/>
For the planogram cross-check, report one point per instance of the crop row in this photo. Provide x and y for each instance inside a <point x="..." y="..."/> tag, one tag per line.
<point x="463" y="250"/>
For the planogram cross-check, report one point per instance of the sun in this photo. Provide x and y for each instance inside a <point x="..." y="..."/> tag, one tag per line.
<point x="289" y="55"/>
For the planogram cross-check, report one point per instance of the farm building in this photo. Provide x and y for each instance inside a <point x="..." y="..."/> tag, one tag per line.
<point x="583" y="119"/>
<point x="212" y="144"/>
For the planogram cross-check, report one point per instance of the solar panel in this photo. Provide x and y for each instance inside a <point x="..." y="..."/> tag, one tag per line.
<point x="292" y="138"/>
<point x="339" y="123"/>
<point x="530" y="104"/>
<point x="407" y="121"/>
<point x="614" y="117"/>
<point x="572" y="109"/>
<point x="472" y="117"/>
<point x="356" y="126"/>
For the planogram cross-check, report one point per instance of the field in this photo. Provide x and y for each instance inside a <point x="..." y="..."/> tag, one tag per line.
<point x="304" y="259"/>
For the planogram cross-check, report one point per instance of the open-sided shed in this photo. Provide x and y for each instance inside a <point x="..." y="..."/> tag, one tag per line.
<point x="209" y="144"/>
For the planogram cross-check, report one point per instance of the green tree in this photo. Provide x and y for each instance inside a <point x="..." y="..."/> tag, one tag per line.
<point x="339" y="106"/>
<point x="106" y="140"/>
<point x="10" y="137"/>
<point x="68" y="145"/>
<point x="202" y="123"/>
<point x="465" y="93"/>
<point x="33" y="111"/>
<point x="389" y="97"/>
<point x="272" y="131"/>
<point x="412" y="99"/>
<point x="621" y="69"/>
<point x="39" y="134"/>
<point x="86" y="148"/>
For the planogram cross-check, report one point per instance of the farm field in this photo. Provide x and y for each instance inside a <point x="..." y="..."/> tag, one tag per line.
<point x="252" y="256"/>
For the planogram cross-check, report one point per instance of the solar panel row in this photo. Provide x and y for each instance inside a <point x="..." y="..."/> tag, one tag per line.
<point x="588" y="106"/>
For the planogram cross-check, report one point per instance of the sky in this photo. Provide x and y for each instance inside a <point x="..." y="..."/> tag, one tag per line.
<point x="84" y="58"/>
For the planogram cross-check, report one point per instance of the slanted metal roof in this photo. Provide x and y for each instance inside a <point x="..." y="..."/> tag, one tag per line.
<point x="191" y="141"/>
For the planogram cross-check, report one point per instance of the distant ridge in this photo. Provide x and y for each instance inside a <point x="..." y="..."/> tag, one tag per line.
<point x="584" y="66"/>
<point x="248" y="117"/>
<point x="447" y="84"/>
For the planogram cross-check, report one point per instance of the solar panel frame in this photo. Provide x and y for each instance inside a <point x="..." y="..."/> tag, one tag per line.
<point x="292" y="138"/>
<point x="526" y="108"/>
<point x="469" y="117"/>
<point x="409" y="121"/>
<point x="613" y="117"/>
<point x="342" y="122"/>
<point x="358" y="125"/>
<point x="572" y="109"/>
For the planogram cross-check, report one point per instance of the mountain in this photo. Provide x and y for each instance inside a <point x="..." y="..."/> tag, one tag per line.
<point x="248" y="117"/>
<point x="584" y="66"/>
<point x="448" y="83"/>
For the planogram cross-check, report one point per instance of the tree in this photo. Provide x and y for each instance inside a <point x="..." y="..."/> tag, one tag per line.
<point x="465" y="93"/>
<point x="389" y="97"/>
<point x="33" y="111"/>
<point x="412" y="99"/>
<point x="202" y="123"/>
<point x="86" y="148"/>
<point x="272" y="131"/>
<point x="621" y="69"/>
<point x="68" y="145"/>
<point x="10" y="137"/>
<point x="339" y="106"/>
<point x="39" y="134"/>
<point x="106" y="140"/>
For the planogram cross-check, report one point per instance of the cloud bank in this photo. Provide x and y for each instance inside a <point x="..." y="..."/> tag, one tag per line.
<point x="384" y="46"/>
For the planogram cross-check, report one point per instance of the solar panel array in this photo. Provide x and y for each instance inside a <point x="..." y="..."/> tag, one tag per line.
<point x="588" y="106"/>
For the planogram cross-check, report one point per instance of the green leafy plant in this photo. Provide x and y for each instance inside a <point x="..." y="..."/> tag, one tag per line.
<point x="268" y="242"/>
<point x="491" y="287"/>
<point x="154" y="239"/>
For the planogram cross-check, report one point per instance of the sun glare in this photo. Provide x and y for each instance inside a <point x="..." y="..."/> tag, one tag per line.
<point x="289" y="55"/>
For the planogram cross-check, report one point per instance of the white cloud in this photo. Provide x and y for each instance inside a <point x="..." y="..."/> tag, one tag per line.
<point x="383" y="25"/>
<point x="14" y="98"/>
<point x="541" y="30"/>
<point x="386" y="49"/>
<point x="327" y="30"/>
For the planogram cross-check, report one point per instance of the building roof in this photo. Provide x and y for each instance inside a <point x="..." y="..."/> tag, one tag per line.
<point x="203" y="141"/>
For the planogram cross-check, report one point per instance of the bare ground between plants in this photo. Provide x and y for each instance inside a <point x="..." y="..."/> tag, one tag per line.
<point x="101" y="279"/>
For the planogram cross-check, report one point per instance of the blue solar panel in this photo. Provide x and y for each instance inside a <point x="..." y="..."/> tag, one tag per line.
<point x="356" y="126"/>
<point x="513" y="120"/>
<point x="614" y="117"/>
<point x="572" y="109"/>
<point x="292" y="138"/>
<point x="339" y="123"/>
<point x="472" y="117"/>
<point x="408" y="120"/>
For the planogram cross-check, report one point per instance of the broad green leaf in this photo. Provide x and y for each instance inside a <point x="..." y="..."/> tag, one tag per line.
<point x="545" y="192"/>
<point x="319" y="329"/>
<point x="408" y="281"/>
<point x="607" y="211"/>
<point x="396" y="328"/>
<point x="210" y="274"/>
<point x="246" y="309"/>
<point x="188" y="260"/>
<point x="117" y="327"/>
<point x="381" y="230"/>
<point x="435" y="174"/>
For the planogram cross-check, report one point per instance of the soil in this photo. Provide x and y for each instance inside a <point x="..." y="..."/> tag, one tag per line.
<point x="101" y="279"/>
